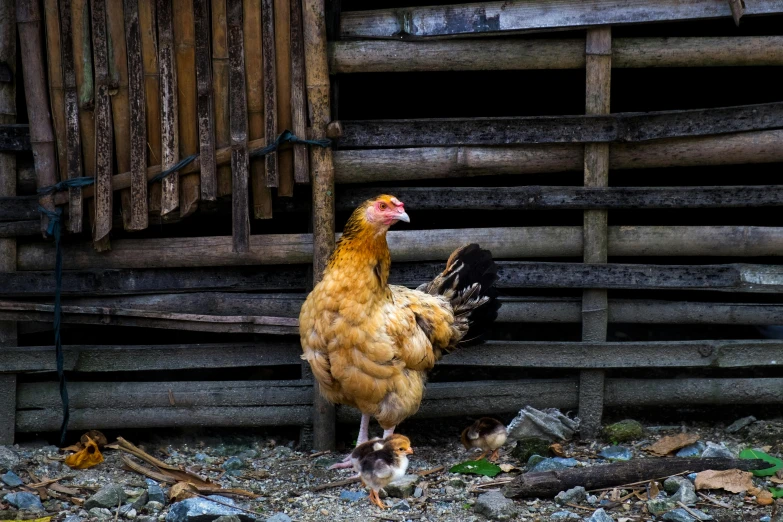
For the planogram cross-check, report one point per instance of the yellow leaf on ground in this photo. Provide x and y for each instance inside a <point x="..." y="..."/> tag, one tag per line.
<point x="44" y="519"/>
<point x="557" y="449"/>
<point x="672" y="443"/>
<point x="764" y="498"/>
<point x="86" y="458"/>
<point x="731" y="480"/>
<point x="181" y="491"/>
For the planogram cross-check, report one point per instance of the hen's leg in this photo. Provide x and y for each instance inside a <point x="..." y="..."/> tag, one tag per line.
<point x="364" y="434"/>
<point x="388" y="432"/>
<point x="494" y="456"/>
<point x="483" y="454"/>
<point x="375" y="499"/>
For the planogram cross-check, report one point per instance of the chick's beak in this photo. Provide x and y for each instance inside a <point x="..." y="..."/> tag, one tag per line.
<point x="403" y="216"/>
<point x="409" y="451"/>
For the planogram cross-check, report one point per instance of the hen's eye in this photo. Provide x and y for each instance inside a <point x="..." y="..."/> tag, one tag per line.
<point x="382" y="206"/>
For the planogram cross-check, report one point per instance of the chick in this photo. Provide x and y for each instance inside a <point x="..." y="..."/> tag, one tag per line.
<point x="364" y="449"/>
<point x="380" y="467"/>
<point x="486" y="433"/>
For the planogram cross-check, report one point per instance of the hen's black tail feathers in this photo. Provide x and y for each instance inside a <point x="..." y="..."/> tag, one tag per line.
<point x="467" y="282"/>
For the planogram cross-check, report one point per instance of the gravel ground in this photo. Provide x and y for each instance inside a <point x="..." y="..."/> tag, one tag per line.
<point x="270" y="466"/>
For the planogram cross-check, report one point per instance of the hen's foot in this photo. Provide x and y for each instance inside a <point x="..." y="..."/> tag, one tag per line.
<point x="483" y="454"/>
<point x="494" y="456"/>
<point x="344" y="464"/>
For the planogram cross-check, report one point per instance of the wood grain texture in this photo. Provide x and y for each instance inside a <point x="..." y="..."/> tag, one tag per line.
<point x="85" y="82"/>
<point x="73" y="146"/>
<point x="220" y="75"/>
<point x="169" y="111"/>
<point x="55" y="76"/>
<point x="285" y="157"/>
<point x="149" y="54"/>
<point x="206" y="111"/>
<point x="519" y="15"/>
<point x="298" y="98"/>
<point x="270" y="87"/>
<point x="240" y="204"/>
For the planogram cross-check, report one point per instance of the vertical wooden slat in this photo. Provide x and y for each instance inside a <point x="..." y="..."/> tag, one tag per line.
<point x="139" y="218"/>
<point x="285" y="157"/>
<point x="103" y="124"/>
<point x="120" y="103"/>
<point x="185" y="45"/>
<point x="317" y="81"/>
<point x="28" y="19"/>
<point x="206" y="114"/>
<point x="238" y="118"/>
<point x="598" y="52"/>
<point x="56" y="94"/>
<point x="8" y="332"/>
<point x="270" y="87"/>
<point x="220" y="88"/>
<point x="73" y="144"/>
<point x="262" y="196"/>
<point x="149" y="54"/>
<point x="169" y="121"/>
<point x="298" y="101"/>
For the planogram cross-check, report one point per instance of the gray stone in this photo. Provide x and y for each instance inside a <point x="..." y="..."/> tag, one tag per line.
<point x="199" y="509"/>
<point x="717" y="451"/>
<point x="529" y="446"/>
<point x="153" y="506"/>
<point x="278" y="517"/>
<point x="616" y="453"/>
<point x="685" y="494"/>
<point x="572" y="496"/>
<point x="9" y="459"/>
<point x="131" y="514"/>
<point x="495" y="506"/>
<point x="352" y="496"/>
<point x="403" y="487"/>
<point x="229" y="518"/>
<point x="107" y="497"/>
<point x="418" y="492"/>
<point x="702" y="515"/>
<point x="548" y="424"/>
<point x="600" y="516"/>
<point x="24" y="500"/>
<point x="232" y="464"/>
<point x="740" y="424"/>
<point x="201" y="457"/>
<point x="672" y="484"/>
<point x="592" y="500"/>
<point x="658" y="506"/>
<point x="402" y="506"/>
<point x="125" y="508"/>
<point x="548" y="465"/>
<point x="534" y="459"/>
<point x="155" y="492"/>
<point x="139" y="502"/>
<point x="691" y="450"/>
<point x="73" y="518"/>
<point x="564" y="515"/>
<point x="101" y="513"/>
<point x="678" y="515"/>
<point x="623" y="431"/>
<point x="11" y="479"/>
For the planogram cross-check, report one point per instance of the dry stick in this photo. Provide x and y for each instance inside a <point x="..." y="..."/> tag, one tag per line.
<point x="639" y="483"/>
<point x="206" y="113"/>
<point x="318" y="454"/>
<point x="103" y="128"/>
<point x="120" y="101"/>
<point x="337" y="483"/>
<point x="285" y="158"/>
<point x="253" y="42"/>
<point x="184" y="43"/>
<point x="138" y="123"/>
<point x="149" y="56"/>
<point x="714" y="500"/>
<point x="221" y="91"/>
<point x="298" y="100"/>
<point x="73" y="144"/>
<point x="56" y="92"/>
<point x="270" y="87"/>
<point x="579" y="507"/>
<point x="82" y="60"/>
<point x="426" y="472"/>
<point x="169" y="112"/>
<point x="238" y="118"/>
<point x="689" y="510"/>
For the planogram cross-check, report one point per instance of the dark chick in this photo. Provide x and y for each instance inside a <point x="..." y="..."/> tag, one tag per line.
<point x="379" y="468"/>
<point x="487" y="434"/>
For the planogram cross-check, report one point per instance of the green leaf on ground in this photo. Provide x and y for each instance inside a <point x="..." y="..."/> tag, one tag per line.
<point x="774" y="462"/>
<point x="476" y="467"/>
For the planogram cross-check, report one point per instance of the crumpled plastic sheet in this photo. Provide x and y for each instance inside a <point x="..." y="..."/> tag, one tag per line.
<point x="548" y="424"/>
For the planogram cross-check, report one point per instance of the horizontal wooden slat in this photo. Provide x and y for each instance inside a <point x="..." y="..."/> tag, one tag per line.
<point x="20" y="228"/>
<point x="419" y="245"/>
<point x="361" y="56"/>
<point x="14" y="138"/>
<point x="15" y="208"/>
<point x="617" y="127"/>
<point x="521" y="15"/>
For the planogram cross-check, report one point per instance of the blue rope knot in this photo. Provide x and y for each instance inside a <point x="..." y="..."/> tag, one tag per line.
<point x="174" y="168"/>
<point x="65" y="185"/>
<point x="288" y="137"/>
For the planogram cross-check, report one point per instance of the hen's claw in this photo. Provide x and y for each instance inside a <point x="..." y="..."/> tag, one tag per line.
<point x="344" y="464"/>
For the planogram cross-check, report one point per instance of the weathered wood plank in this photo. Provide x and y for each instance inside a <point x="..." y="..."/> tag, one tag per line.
<point x="73" y="145"/>
<point x="14" y="137"/>
<point x="10" y="229"/>
<point x="55" y="76"/>
<point x="356" y="56"/>
<point x="17" y="208"/>
<point x="149" y="53"/>
<point x="520" y="15"/>
<point x="285" y="157"/>
<point x="270" y="87"/>
<point x="206" y="111"/>
<point x="240" y="217"/>
<point x="591" y="128"/>
<point x="298" y="99"/>
<point x="169" y="110"/>
<point x="220" y="80"/>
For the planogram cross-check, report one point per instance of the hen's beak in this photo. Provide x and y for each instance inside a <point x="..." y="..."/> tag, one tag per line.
<point x="403" y="217"/>
<point x="409" y="451"/>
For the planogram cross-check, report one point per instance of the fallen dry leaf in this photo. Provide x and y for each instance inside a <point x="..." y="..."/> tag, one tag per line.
<point x="95" y="435"/>
<point x="506" y="467"/>
<point x="671" y="443"/>
<point x="764" y="498"/>
<point x="87" y="457"/>
<point x="557" y="449"/>
<point x="181" y="491"/>
<point x="732" y="480"/>
<point x="776" y="480"/>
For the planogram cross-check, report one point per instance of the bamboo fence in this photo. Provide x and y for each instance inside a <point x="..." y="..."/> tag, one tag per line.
<point x="135" y="87"/>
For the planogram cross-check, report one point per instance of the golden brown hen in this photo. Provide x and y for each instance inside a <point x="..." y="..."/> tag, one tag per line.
<point x="371" y="344"/>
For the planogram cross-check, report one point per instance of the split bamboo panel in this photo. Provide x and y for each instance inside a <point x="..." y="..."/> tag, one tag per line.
<point x="56" y="89"/>
<point x="220" y="75"/>
<point x="270" y="87"/>
<point x="283" y="35"/>
<point x="169" y="94"/>
<point x="205" y="104"/>
<point x="298" y="96"/>
<point x="149" y="55"/>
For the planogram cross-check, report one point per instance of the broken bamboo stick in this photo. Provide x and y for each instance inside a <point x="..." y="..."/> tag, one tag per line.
<point x="285" y="157"/>
<point x="270" y="87"/>
<point x="149" y="56"/>
<point x="239" y="125"/>
<point x="298" y="97"/>
<point x="220" y="75"/>
<point x="169" y="94"/>
<point x="56" y="88"/>
<point x="205" y="107"/>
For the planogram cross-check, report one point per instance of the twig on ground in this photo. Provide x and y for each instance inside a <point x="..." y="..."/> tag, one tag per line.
<point x="689" y="510"/>
<point x="623" y="486"/>
<point x="713" y="500"/>
<point x="336" y="484"/>
<point x="426" y="472"/>
<point x="314" y="455"/>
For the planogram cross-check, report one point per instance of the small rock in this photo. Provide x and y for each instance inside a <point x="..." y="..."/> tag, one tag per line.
<point x="199" y="509"/>
<point x="692" y="450"/>
<point x="278" y="517"/>
<point x="457" y="483"/>
<point x="495" y="506"/>
<point x="418" y="492"/>
<point x="564" y="515"/>
<point x="201" y="457"/>
<point x="685" y="494"/>
<point x="125" y="508"/>
<point x="402" y="506"/>
<point x="672" y="484"/>
<point x="139" y="502"/>
<point x="153" y="506"/>
<point x="533" y="460"/>
<point x="131" y="514"/>
<point x="403" y="487"/>
<point x="567" y="462"/>
<point x="592" y="500"/>
<point x="548" y="465"/>
<point x="155" y="492"/>
<point x="529" y="446"/>
<point x="765" y="518"/>
<point x="572" y="496"/>
<point x="232" y="464"/>
<point x="24" y="500"/>
<point x="352" y="496"/>
<point x="660" y="506"/>
<point x="623" y="431"/>
<point x="702" y="515"/>
<point x="600" y="516"/>
<point x="101" y="513"/>
<point x="9" y="460"/>
<point x="11" y="479"/>
<point x="616" y="453"/>
<point x="739" y="424"/>
<point x="73" y="518"/>
<point x="107" y="497"/>
<point x="678" y="515"/>
<point x="227" y="518"/>
<point x="717" y="451"/>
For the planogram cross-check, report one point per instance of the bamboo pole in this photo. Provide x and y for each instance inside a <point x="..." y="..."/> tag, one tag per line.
<point x="285" y="157"/>
<point x="317" y="82"/>
<point x="8" y="330"/>
<point x="240" y="218"/>
<point x="149" y="56"/>
<point x="139" y="218"/>
<point x="598" y="51"/>
<point x="82" y="59"/>
<point x="252" y="31"/>
<point x="72" y="118"/>
<point x="298" y="98"/>
<point x="56" y="90"/>
<point x="28" y="19"/>
<point x="270" y="87"/>
<point x="169" y="112"/>
<point x="185" y="48"/>
<point x="205" y="104"/>
<point x="220" y="76"/>
<point x="120" y="100"/>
